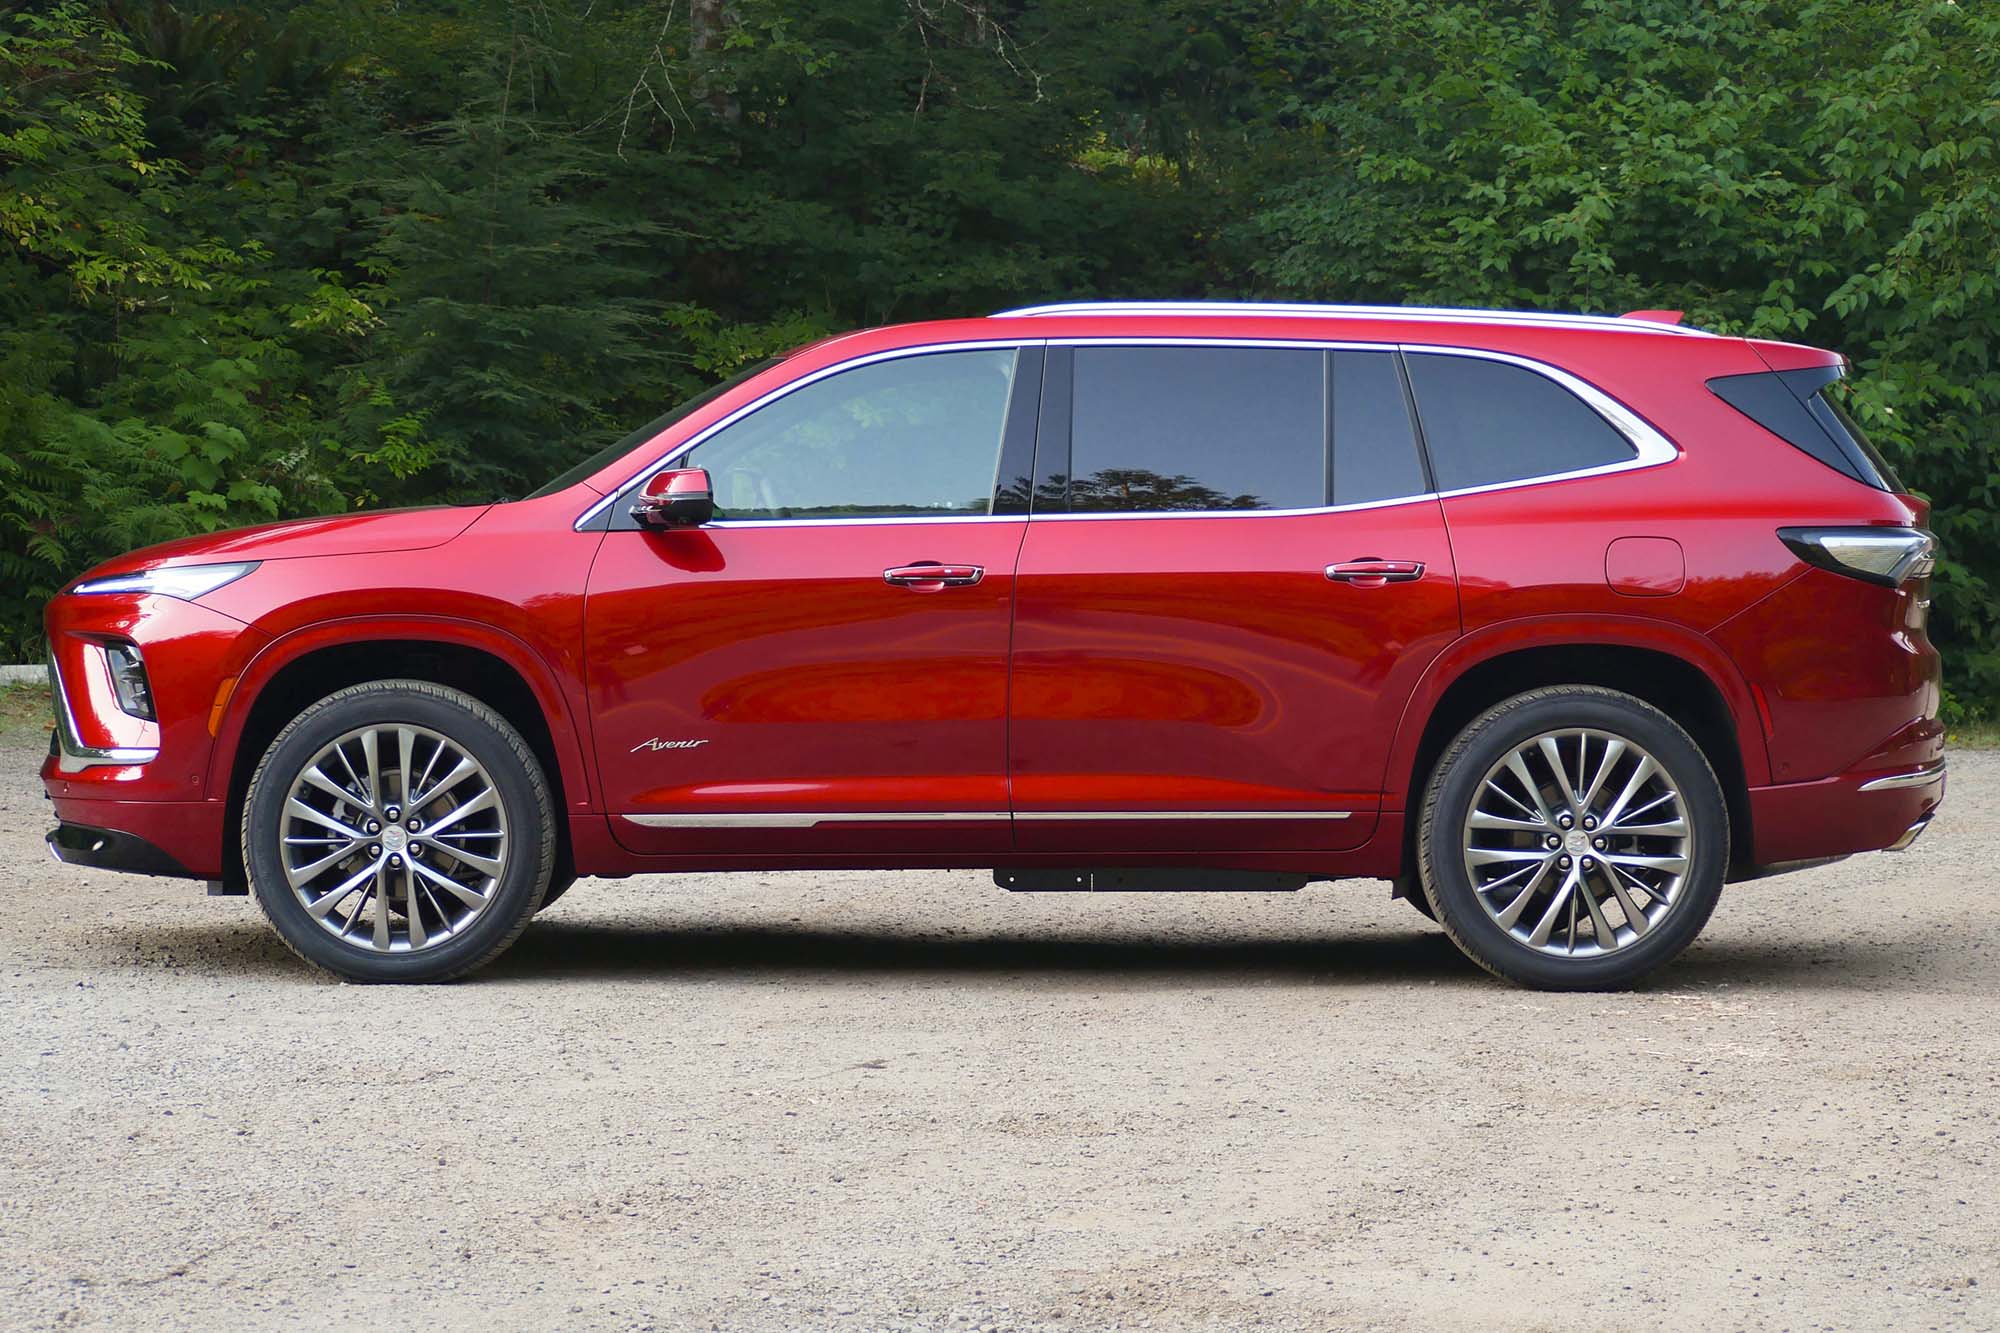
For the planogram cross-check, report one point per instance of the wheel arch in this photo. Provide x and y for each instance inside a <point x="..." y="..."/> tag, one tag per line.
<point x="1677" y="671"/>
<point x="295" y="671"/>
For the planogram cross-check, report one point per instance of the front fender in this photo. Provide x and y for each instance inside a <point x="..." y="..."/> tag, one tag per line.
<point x="558" y="710"/>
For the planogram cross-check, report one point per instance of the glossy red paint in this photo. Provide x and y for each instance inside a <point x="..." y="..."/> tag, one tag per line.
<point x="1196" y="665"/>
<point x="1139" y="665"/>
<point x="738" y="671"/>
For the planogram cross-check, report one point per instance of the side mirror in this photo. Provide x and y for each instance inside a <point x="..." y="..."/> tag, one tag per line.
<point x="676" y="498"/>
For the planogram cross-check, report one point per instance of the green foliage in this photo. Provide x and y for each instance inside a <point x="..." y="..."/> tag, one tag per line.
<point x="271" y="259"/>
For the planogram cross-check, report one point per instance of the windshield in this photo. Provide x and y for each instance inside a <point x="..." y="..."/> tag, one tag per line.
<point x="611" y="453"/>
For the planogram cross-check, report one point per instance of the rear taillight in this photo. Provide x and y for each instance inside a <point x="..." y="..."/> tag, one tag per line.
<point x="1888" y="556"/>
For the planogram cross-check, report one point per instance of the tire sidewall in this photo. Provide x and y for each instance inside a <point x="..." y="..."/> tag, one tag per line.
<point x="1485" y="743"/>
<point x="521" y="788"/>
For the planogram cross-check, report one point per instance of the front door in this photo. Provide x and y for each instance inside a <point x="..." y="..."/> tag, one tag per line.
<point x="1225" y="596"/>
<point x="824" y="668"/>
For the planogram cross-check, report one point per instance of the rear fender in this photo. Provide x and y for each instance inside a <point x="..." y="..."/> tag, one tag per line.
<point x="1495" y="641"/>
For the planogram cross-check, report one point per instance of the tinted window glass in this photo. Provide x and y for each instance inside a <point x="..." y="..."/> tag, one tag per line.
<point x="1374" y="448"/>
<point x="1764" y="398"/>
<point x="1488" y="421"/>
<point x="1197" y="428"/>
<point x="918" y="435"/>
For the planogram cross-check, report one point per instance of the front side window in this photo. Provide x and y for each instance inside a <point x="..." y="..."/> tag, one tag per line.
<point x="1488" y="422"/>
<point x="1164" y="429"/>
<point x="914" y="436"/>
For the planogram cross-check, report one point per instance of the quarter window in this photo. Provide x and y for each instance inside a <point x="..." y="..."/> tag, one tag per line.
<point x="1168" y="429"/>
<point x="912" y="436"/>
<point x="1487" y="422"/>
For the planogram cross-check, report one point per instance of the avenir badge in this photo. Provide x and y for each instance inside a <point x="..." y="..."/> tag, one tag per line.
<point x="657" y="744"/>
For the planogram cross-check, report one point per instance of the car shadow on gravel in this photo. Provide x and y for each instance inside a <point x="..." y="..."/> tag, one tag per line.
<point x="554" y="951"/>
<point x="551" y="950"/>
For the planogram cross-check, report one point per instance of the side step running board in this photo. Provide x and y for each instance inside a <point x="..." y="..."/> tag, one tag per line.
<point x="1146" y="879"/>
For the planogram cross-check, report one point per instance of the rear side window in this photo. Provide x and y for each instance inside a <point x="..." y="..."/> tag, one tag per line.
<point x="1488" y="422"/>
<point x="1165" y="429"/>
<point x="1374" y="445"/>
<point x="1799" y="407"/>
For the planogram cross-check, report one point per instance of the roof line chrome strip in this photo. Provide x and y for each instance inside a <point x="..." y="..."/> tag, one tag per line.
<point x="1296" y="310"/>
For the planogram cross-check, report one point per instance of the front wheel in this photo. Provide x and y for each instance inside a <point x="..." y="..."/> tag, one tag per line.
<point x="399" y="831"/>
<point x="1573" y="838"/>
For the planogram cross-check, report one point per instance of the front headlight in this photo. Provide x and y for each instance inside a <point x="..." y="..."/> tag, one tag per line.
<point x="186" y="582"/>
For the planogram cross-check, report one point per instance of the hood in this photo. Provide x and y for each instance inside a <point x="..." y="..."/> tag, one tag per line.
<point x="339" y="534"/>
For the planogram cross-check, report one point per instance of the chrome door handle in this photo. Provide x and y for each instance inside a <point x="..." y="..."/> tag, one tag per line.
<point x="1373" y="573"/>
<point x="929" y="575"/>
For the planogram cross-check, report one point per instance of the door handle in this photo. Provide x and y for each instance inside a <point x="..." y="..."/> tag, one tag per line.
<point x="929" y="576"/>
<point x="1369" y="572"/>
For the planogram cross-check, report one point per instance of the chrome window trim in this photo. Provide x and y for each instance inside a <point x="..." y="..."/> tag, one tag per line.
<point x="1922" y="777"/>
<point x="1295" y="310"/>
<point x="1651" y="448"/>
<point x="74" y="756"/>
<point x="809" y="819"/>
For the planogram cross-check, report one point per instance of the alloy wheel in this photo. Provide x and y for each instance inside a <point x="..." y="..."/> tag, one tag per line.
<point x="394" y="838"/>
<point x="1578" y="843"/>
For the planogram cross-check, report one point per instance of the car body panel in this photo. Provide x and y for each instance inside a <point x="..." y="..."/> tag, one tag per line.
<point x="765" y="670"/>
<point x="1164" y="665"/>
<point x="1208" y="664"/>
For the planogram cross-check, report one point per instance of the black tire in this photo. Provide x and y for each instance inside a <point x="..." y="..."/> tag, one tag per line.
<point x="1456" y="783"/>
<point x="483" y="735"/>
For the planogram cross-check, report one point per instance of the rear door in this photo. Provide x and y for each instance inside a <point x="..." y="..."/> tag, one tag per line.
<point x="823" y="669"/>
<point x="1234" y="575"/>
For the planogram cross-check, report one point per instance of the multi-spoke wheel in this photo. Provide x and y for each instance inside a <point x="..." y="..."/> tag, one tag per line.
<point x="1573" y="837"/>
<point x="399" y="831"/>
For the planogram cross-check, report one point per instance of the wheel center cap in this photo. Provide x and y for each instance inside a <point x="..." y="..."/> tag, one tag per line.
<point x="1574" y="842"/>
<point x="395" y="838"/>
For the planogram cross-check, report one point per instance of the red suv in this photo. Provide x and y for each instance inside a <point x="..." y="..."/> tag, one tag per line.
<point x="1556" y="622"/>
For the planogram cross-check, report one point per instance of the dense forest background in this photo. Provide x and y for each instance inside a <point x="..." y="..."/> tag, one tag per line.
<point x="269" y="259"/>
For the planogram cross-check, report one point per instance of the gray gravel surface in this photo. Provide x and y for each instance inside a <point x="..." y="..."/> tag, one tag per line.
<point x="900" y="1101"/>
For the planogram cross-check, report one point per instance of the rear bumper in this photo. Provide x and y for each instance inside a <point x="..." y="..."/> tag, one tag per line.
<point x="1838" y="816"/>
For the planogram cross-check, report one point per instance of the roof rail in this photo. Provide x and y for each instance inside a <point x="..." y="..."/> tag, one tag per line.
<point x="1277" y="308"/>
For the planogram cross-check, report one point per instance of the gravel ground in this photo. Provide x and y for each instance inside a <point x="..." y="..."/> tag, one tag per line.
<point x="901" y="1101"/>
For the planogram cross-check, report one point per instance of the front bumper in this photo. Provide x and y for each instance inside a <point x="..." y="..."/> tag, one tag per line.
<point x="108" y="849"/>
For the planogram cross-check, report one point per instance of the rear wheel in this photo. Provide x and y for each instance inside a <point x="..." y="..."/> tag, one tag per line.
<point x="399" y="831"/>
<point x="1573" y="838"/>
